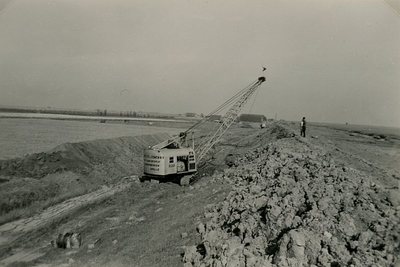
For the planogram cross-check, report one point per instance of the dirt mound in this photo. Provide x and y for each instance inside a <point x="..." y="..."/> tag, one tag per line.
<point x="291" y="205"/>
<point x="238" y="141"/>
<point x="79" y="157"/>
<point x="264" y="136"/>
<point x="280" y="131"/>
<point x="71" y="169"/>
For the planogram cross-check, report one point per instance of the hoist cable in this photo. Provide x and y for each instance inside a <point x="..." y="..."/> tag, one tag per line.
<point x="226" y="103"/>
<point x="254" y="101"/>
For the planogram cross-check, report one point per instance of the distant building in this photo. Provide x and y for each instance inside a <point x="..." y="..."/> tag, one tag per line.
<point x="189" y="114"/>
<point x="252" y="118"/>
<point x="214" y="118"/>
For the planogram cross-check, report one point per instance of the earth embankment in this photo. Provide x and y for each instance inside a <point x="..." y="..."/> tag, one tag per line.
<point x="285" y="201"/>
<point x="71" y="169"/>
<point x="291" y="204"/>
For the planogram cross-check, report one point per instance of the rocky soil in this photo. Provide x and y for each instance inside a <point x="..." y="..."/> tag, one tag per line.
<point x="262" y="197"/>
<point x="291" y="204"/>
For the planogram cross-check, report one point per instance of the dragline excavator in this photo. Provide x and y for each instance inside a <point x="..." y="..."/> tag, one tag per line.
<point x="178" y="158"/>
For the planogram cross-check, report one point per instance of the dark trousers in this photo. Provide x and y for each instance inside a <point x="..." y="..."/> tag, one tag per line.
<point x="303" y="131"/>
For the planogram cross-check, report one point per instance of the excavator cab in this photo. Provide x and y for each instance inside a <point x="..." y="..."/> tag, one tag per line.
<point x="169" y="161"/>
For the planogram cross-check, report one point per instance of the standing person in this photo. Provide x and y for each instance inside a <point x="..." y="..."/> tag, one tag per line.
<point x="303" y="127"/>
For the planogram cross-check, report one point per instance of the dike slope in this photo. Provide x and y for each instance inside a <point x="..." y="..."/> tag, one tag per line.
<point x="71" y="169"/>
<point x="292" y="205"/>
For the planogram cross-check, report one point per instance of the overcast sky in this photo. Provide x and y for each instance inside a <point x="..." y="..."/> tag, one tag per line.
<point x="328" y="60"/>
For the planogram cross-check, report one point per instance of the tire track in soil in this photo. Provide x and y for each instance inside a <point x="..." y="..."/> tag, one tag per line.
<point x="14" y="231"/>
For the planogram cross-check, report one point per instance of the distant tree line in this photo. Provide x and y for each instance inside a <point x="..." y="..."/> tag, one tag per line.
<point x="49" y="111"/>
<point x="97" y="112"/>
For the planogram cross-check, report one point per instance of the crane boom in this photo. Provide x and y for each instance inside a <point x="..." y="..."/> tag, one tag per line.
<point x="227" y="120"/>
<point x="175" y="158"/>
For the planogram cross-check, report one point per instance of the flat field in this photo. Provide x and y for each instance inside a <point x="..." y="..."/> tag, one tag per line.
<point x="367" y="129"/>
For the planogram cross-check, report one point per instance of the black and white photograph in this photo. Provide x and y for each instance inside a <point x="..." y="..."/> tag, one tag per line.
<point x="199" y="133"/>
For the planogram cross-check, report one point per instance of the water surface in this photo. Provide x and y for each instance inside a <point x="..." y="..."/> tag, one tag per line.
<point x="19" y="137"/>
